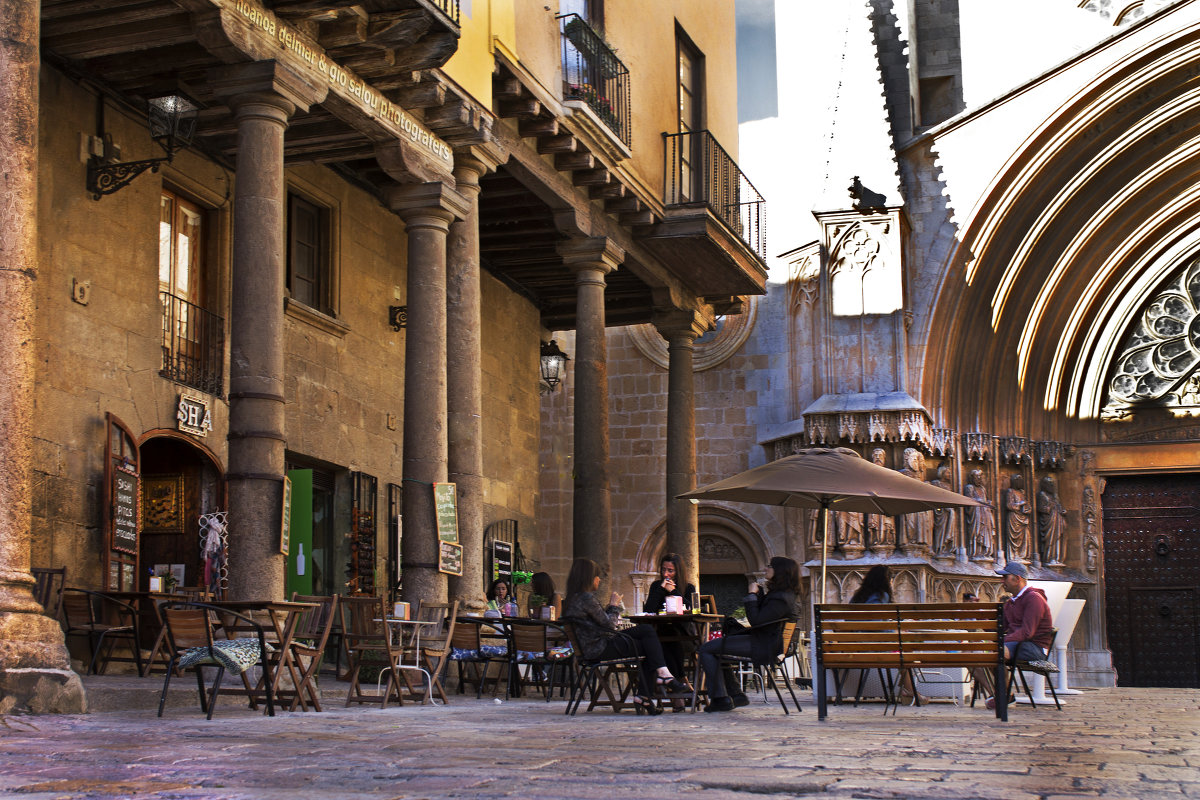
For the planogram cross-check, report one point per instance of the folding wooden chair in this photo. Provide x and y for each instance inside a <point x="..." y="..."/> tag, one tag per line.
<point x="594" y="675"/>
<point x="366" y="636"/>
<point x="773" y="671"/>
<point x="308" y="642"/>
<point x="466" y="647"/>
<point x="435" y="649"/>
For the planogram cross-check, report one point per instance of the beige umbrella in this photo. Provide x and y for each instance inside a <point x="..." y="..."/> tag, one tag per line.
<point x="830" y="479"/>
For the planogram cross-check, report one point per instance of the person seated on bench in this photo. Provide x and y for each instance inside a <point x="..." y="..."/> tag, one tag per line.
<point x="761" y="641"/>
<point x="877" y="588"/>
<point x="982" y="675"/>
<point x="1028" y="629"/>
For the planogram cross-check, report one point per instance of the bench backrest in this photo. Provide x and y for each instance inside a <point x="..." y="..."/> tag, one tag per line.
<point x="896" y="635"/>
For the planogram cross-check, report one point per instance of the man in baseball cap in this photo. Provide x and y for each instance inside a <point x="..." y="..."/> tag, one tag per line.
<point x="1028" y="629"/>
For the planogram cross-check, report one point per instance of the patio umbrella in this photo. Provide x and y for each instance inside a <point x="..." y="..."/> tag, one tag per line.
<point x="830" y="479"/>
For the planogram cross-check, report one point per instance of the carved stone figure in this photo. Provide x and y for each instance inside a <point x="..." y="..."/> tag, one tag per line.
<point x="918" y="527"/>
<point x="981" y="520"/>
<point x="1052" y="522"/>
<point x="1016" y="518"/>
<point x="943" y="518"/>
<point x="1091" y="539"/>
<point x="848" y="531"/>
<point x="881" y="530"/>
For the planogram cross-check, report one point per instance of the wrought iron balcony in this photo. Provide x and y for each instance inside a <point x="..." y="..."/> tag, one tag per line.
<point x="593" y="73"/>
<point x="193" y="345"/>
<point x="447" y="7"/>
<point x="697" y="170"/>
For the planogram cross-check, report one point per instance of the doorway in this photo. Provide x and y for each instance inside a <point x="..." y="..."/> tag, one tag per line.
<point x="180" y="481"/>
<point x="1152" y="578"/>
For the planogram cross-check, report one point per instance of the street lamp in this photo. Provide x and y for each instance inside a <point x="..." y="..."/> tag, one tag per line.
<point x="554" y="361"/>
<point x="172" y="121"/>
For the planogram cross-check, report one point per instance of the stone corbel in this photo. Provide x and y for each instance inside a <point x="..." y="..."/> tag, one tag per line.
<point x="1013" y="449"/>
<point x="941" y="441"/>
<point x="978" y="446"/>
<point x="1051" y="455"/>
<point x="436" y="196"/>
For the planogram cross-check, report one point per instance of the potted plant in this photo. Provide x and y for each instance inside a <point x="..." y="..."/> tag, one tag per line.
<point x="536" y="601"/>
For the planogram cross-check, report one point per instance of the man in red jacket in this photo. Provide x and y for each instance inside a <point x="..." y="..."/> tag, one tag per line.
<point x="1028" y="629"/>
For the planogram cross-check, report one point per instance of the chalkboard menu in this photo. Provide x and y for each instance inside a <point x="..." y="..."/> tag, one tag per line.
<point x="124" y="510"/>
<point x="502" y="558"/>
<point x="450" y="558"/>
<point x="445" y="507"/>
<point x="362" y="545"/>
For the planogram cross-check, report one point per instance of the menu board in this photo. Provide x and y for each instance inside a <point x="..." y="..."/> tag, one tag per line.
<point x="445" y="508"/>
<point x="502" y="560"/>
<point x="124" y="510"/>
<point x="450" y="558"/>
<point x="285" y="529"/>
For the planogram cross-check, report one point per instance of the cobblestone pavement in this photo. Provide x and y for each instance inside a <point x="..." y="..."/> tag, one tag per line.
<point x="1113" y="743"/>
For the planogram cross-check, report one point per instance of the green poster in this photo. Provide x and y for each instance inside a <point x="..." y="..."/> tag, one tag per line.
<point x="299" y="559"/>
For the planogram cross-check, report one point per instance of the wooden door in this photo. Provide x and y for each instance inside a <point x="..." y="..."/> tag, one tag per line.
<point x="1152" y="578"/>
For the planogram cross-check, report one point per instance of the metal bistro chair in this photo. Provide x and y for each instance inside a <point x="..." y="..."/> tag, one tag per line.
<point x="48" y="588"/>
<point x="1047" y="669"/>
<point x="773" y="671"/>
<point x="101" y="620"/>
<point x="189" y="627"/>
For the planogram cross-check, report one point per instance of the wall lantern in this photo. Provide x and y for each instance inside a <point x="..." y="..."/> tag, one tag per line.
<point x="554" y="361"/>
<point x="172" y="123"/>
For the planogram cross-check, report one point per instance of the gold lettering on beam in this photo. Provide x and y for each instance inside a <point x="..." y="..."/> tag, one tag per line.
<point x="338" y="78"/>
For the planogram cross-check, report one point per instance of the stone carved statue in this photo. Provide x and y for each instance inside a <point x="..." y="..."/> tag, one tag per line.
<point x="917" y="528"/>
<point x="848" y="532"/>
<point x="981" y="520"/>
<point x="943" y="518"/>
<point x="1016" y="518"/>
<point x="1052" y="522"/>
<point x="1091" y="539"/>
<point x="881" y="529"/>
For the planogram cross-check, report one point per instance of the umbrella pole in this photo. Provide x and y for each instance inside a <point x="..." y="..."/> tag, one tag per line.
<point x="824" y="544"/>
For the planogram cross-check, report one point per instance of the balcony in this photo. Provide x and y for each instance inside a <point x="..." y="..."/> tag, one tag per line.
<point x="713" y="224"/>
<point x="594" y="75"/>
<point x="193" y="345"/>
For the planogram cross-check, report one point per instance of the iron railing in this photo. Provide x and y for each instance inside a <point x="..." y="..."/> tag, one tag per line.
<point x="593" y="73"/>
<point x="696" y="169"/>
<point x="447" y="7"/>
<point x="193" y="345"/>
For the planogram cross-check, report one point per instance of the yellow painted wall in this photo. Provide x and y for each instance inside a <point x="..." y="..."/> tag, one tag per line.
<point x="486" y="25"/>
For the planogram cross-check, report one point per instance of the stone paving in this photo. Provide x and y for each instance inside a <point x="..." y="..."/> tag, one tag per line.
<point x="1112" y="743"/>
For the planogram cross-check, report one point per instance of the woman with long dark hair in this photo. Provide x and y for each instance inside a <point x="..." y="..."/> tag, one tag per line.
<point x="542" y="585"/>
<point x="670" y="576"/>
<point x="597" y="635"/>
<point x="877" y="588"/>
<point x="762" y="641"/>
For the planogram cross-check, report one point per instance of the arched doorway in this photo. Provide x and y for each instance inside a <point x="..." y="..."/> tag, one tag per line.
<point x="181" y="480"/>
<point x="732" y="553"/>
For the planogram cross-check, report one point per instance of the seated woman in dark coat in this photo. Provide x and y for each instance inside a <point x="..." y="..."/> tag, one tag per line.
<point x="597" y="635"/>
<point x="670" y="570"/>
<point x="877" y="588"/>
<point x="762" y="641"/>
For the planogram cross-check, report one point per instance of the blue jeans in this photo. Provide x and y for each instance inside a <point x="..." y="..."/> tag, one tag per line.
<point x="1024" y="651"/>
<point x="710" y="661"/>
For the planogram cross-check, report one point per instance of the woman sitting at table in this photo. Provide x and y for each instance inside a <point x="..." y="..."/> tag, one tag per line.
<point x="598" y="638"/>
<point x="543" y="585"/>
<point x="877" y="588"/>
<point x="670" y="570"/>
<point x="762" y="641"/>
<point x="498" y="595"/>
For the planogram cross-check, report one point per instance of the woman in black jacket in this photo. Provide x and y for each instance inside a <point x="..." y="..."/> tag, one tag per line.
<point x="670" y="571"/>
<point x="597" y="635"/>
<point x="762" y="641"/>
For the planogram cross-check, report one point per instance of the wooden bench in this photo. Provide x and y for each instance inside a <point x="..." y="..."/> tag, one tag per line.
<point x="910" y="636"/>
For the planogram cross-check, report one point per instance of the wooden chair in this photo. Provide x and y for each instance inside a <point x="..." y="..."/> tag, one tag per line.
<point x="466" y="647"/>
<point x="308" y="642"/>
<point x="48" y="588"/>
<point x="772" y="672"/>
<point x="369" y="644"/>
<point x="1047" y="669"/>
<point x="189" y="628"/>
<point x="435" y="648"/>
<point x="101" y="620"/>
<point x="708" y="604"/>
<point x="161" y="649"/>
<point x="594" y="675"/>
<point x="530" y="646"/>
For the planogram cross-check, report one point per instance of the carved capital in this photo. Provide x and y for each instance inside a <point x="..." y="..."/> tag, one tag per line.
<point x="434" y="199"/>
<point x="596" y="253"/>
<point x="264" y="82"/>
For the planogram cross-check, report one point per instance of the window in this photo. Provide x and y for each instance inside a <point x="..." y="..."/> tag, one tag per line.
<point x="590" y="11"/>
<point x="193" y="338"/>
<point x="308" y="272"/>
<point x="691" y="101"/>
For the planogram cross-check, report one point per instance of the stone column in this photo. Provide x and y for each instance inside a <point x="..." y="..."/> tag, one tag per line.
<point x="464" y="383"/>
<point x="262" y="95"/>
<point x="427" y="210"/>
<point x="591" y="260"/>
<point x="680" y="329"/>
<point x="35" y="669"/>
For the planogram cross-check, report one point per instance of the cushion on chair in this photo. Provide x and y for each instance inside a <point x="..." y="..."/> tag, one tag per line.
<point x="560" y="653"/>
<point x="526" y="656"/>
<point x="463" y="654"/>
<point x="494" y="650"/>
<point x="236" y="655"/>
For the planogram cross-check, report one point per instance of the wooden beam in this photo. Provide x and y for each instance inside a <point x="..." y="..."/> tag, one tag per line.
<point x="537" y="128"/>
<point x="623" y="205"/>
<point x="591" y="177"/>
<point x="557" y="144"/>
<point x="613" y="189"/>
<point x="525" y="107"/>
<point x="507" y="89"/>
<point x="637" y="218"/>
<point x="427" y="94"/>
<point x="567" y="162"/>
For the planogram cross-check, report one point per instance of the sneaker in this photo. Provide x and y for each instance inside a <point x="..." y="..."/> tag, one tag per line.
<point x="720" y="704"/>
<point x="739" y="700"/>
